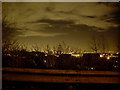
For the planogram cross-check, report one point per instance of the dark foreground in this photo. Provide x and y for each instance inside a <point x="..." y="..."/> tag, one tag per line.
<point x="46" y="79"/>
<point x="8" y="85"/>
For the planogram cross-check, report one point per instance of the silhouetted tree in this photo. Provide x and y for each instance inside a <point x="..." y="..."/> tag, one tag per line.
<point x="54" y="49"/>
<point x="59" y="49"/>
<point x="103" y="45"/>
<point x="35" y="48"/>
<point x="118" y="41"/>
<point x="8" y="29"/>
<point x="95" y="44"/>
<point x="48" y="49"/>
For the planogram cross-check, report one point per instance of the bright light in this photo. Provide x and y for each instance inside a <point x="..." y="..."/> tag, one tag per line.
<point x="92" y="68"/>
<point x="8" y="55"/>
<point x="117" y="53"/>
<point x="101" y="55"/>
<point x="108" y="57"/>
<point x="76" y="55"/>
<point x="36" y="54"/>
<point x="57" y="55"/>
<point x="44" y="61"/>
<point x="116" y="66"/>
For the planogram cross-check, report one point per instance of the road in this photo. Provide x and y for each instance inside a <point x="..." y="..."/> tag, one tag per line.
<point x="60" y="76"/>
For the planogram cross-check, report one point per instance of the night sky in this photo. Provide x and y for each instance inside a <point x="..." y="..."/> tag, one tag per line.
<point x="74" y="23"/>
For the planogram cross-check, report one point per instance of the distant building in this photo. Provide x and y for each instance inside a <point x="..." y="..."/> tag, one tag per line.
<point x="65" y="61"/>
<point x="91" y="56"/>
<point x="50" y="61"/>
<point x="90" y="59"/>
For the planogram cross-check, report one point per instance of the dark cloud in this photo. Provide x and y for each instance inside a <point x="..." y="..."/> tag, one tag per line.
<point x="50" y="21"/>
<point x="80" y="27"/>
<point x="115" y="17"/>
<point x="90" y="16"/>
<point x="87" y="28"/>
<point x="49" y="9"/>
<point x="67" y="12"/>
<point x="71" y="13"/>
<point x="56" y="21"/>
<point x="110" y="4"/>
<point x="64" y="26"/>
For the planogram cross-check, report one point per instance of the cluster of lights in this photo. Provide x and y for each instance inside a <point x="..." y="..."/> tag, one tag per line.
<point x="116" y="66"/>
<point x="57" y="55"/>
<point x="92" y="68"/>
<point x="107" y="56"/>
<point x="101" y="55"/>
<point x="44" y="61"/>
<point x="76" y="55"/>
